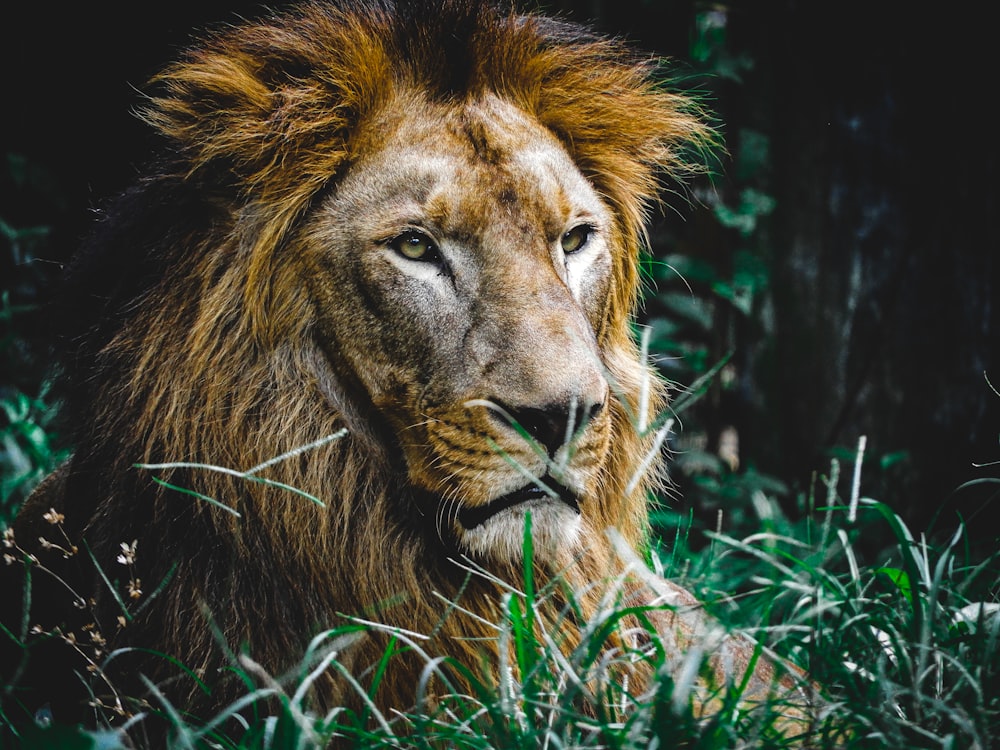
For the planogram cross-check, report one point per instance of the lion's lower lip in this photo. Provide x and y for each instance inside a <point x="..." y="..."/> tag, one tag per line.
<point x="470" y="518"/>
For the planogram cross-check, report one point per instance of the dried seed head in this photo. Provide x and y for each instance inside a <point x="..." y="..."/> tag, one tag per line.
<point x="54" y="517"/>
<point x="127" y="557"/>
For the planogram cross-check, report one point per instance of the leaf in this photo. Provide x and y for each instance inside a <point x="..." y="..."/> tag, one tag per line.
<point x="753" y="205"/>
<point x="688" y="307"/>
<point x="900" y="579"/>
<point x="906" y="548"/>
<point x="892" y="459"/>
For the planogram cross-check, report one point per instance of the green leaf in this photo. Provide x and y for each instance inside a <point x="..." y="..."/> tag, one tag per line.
<point x="691" y="308"/>
<point x="753" y="205"/>
<point x="900" y="579"/>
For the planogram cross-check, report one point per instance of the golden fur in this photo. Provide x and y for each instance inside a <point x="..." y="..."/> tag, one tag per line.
<point x="252" y="299"/>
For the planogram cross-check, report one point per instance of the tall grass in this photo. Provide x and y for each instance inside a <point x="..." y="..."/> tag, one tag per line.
<point x="905" y="639"/>
<point x="904" y="643"/>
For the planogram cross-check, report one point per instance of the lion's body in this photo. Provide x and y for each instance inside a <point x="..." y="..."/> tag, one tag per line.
<point x="374" y="222"/>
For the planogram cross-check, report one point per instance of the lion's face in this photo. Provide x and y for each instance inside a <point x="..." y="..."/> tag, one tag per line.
<point x="460" y="271"/>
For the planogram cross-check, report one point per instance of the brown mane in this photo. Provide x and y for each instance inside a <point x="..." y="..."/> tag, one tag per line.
<point x="199" y="346"/>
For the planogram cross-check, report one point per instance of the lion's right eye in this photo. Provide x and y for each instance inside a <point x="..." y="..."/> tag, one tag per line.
<point x="574" y="240"/>
<point x="416" y="246"/>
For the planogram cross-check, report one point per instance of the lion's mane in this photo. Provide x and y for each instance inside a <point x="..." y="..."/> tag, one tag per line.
<point x="191" y="333"/>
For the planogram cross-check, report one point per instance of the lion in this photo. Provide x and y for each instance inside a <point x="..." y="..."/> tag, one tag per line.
<point x="383" y="279"/>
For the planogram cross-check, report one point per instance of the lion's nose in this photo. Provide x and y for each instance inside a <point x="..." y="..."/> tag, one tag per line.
<point x="554" y="424"/>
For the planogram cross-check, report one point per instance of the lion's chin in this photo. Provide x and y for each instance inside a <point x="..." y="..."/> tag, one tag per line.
<point x="555" y="531"/>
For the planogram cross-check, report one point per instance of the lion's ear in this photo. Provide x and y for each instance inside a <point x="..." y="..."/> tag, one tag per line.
<point x="269" y="108"/>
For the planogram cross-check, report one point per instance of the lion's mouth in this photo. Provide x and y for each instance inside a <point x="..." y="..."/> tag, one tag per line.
<point x="545" y="489"/>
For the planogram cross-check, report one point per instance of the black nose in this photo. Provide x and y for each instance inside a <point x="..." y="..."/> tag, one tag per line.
<point x="552" y="425"/>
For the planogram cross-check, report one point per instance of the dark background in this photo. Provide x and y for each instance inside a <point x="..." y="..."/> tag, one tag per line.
<point x="869" y="129"/>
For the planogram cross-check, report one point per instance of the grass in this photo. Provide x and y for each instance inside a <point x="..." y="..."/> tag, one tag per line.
<point x="906" y="644"/>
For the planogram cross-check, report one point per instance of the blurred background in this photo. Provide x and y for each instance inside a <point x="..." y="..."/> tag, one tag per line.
<point x="836" y="276"/>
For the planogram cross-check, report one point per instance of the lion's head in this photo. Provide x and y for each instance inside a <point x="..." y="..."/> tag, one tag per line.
<point x="462" y="273"/>
<point x="420" y="223"/>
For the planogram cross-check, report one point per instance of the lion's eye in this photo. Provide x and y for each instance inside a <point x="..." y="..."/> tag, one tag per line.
<point x="574" y="240"/>
<point x="415" y="246"/>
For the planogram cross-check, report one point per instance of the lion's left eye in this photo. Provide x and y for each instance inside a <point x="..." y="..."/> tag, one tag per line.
<point x="416" y="246"/>
<point x="574" y="240"/>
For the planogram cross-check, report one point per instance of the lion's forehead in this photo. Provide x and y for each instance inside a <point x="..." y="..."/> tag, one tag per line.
<point x="468" y="168"/>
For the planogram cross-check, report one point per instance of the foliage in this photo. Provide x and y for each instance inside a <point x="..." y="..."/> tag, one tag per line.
<point x="29" y="446"/>
<point x="906" y="646"/>
<point x="910" y="637"/>
<point x="709" y="310"/>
